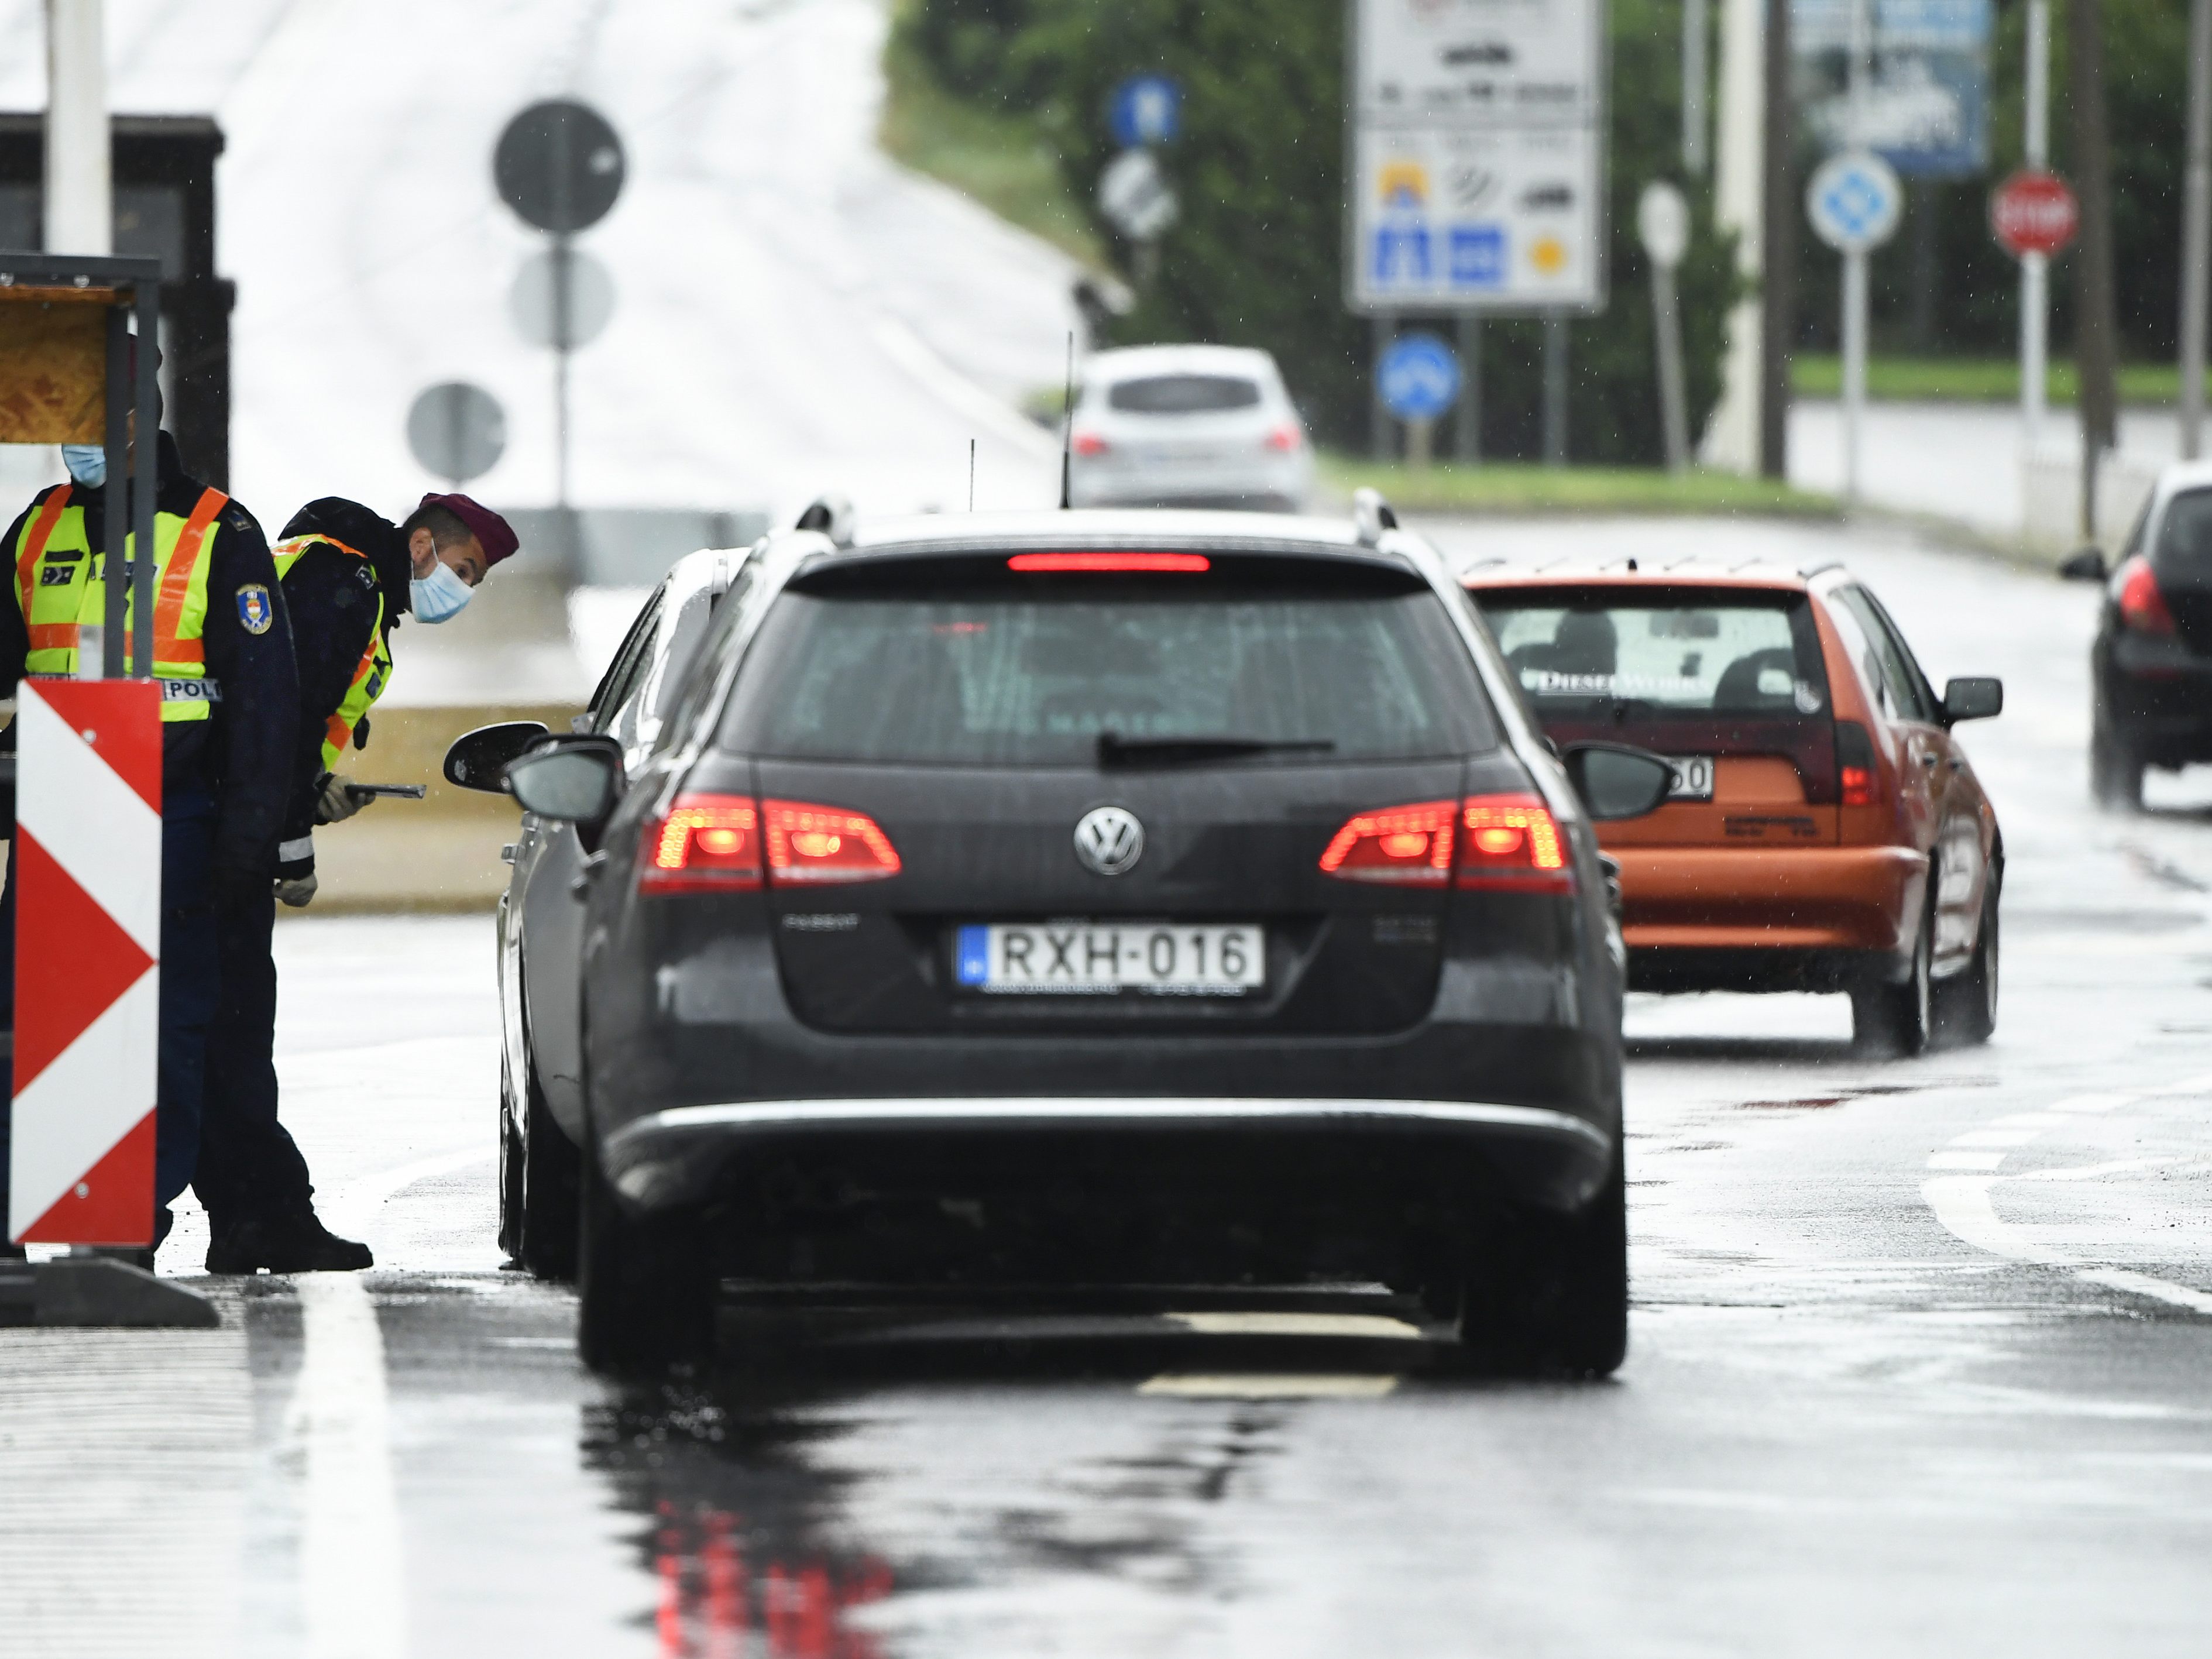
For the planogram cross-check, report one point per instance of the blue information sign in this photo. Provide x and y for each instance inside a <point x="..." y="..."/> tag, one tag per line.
<point x="1145" y="109"/>
<point x="1419" y="377"/>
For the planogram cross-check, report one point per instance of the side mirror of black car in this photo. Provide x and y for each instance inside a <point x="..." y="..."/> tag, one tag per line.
<point x="1976" y="697"/>
<point x="2086" y="566"/>
<point x="573" y="780"/>
<point x="1616" y="781"/>
<point x="479" y="759"/>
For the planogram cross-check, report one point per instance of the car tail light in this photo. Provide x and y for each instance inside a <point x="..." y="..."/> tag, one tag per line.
<point x="1408" y="845"/>
<point x="1155" y="563"/>
<point x="1855" y="776"/>
<point x="1501" y="841"/>
<point x="1512" y="840"/>
<point x="811" y="843"/>
<point x="1087" y="443"/>
<point x="1285" y="438"/>
<point x="703" y="840"/>
<point x="2143" y="607"/>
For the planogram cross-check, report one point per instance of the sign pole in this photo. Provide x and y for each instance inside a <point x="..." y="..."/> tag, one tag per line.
<point x="2196" y="229"/>
<point x="1695" y="76"/>
<point x="1382" y="328"/>
<point x="1467" y="429"/>
<point x="2034" y="267"/>
<point x="1854" y="355"/>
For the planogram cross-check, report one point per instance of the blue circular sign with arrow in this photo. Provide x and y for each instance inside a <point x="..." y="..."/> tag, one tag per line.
<point x="1145" y="109"/>
<point x="1419" y="377"/>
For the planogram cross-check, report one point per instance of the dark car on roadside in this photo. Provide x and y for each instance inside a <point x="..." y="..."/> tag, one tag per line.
<point x="2151" y="665"/>
<point x="1065" y="899"/>
<point x="540" y="925"/>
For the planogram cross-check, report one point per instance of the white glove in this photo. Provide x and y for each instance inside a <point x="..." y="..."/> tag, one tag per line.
<point x="296" y="893"/>
<point x="334" y="805"/>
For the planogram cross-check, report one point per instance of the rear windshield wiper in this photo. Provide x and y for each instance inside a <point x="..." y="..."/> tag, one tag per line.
<point x="1114" y="750"/>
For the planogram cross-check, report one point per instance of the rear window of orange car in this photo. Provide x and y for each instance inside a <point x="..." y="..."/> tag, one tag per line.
<point x="1660" y="653"/>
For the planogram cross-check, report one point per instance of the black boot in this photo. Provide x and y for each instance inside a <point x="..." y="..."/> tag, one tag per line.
<point x="290" y="1243"/>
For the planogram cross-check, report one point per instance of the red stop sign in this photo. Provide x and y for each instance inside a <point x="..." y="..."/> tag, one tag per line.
<point x="2032" y="212"/>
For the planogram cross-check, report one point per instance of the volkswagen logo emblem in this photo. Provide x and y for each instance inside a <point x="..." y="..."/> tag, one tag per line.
<point x="1108" y="840"/>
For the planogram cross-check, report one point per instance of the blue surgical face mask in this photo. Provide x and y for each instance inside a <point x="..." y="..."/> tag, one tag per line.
<point x="439" y="596"/>
<point x="86" y="464"/>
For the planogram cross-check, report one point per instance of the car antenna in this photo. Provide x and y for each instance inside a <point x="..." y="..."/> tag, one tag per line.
<point x="971" y="475"/>
<point x="1068" y="422"/>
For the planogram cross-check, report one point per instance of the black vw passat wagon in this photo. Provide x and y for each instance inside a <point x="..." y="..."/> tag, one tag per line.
<point x="1088" y="897"/>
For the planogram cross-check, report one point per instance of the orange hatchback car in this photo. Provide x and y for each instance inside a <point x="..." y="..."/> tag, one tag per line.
<point x="1825" y="831"/>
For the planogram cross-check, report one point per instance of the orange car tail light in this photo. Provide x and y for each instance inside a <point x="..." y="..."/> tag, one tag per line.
<point x="824" y="844"/>
<point x="703" y="841"/>
<point x="2143" y="606"/>
<point x="1512" y="840"/>
<point x="1410" y="846"/>
<point x="1857" y="777"/>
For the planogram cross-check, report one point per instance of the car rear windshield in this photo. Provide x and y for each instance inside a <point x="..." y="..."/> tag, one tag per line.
<point x="1037" y="669"/>
<point x="1659" y="654"/>
<point x="1182" y="394"/>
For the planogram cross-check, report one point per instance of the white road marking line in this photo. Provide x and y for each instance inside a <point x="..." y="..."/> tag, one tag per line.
<point x="1995" y="1137"/>
<point x="2086" y="1171"/>
<point x="1962" y="1204"/>
<point x="2031" y="1121"/>
<point x="352" y="1584"/>
<point x="1298" y="1324"/>
<point x="1964" y="1160"/>
<point x="2200" y="1084"/>
<point x="1270" y="1387"/>
<point x="2104" y="1102"/>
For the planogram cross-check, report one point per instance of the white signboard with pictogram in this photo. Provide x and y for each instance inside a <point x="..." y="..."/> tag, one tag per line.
<point x="1475" y="165"/>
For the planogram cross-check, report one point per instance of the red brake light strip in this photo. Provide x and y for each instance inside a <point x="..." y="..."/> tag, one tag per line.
<point x="1151" y="564"/>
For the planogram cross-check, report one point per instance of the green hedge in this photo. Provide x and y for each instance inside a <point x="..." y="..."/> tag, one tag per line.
<point x="1256" y="256"/>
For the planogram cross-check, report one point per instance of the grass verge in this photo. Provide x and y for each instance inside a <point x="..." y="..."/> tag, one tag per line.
<point x="1974" y="379"/>
<point x="995" y="159"/>
<point x="1518" y="487"/>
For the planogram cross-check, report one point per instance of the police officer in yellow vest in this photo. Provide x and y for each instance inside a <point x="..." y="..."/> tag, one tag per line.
<point x="223" y="652"/>
<point x="348" y="576"/>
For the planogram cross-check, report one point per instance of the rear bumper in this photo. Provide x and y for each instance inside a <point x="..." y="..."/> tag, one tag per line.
<point x="2159" y="693"/>
<point x="685" y="1156"/>
<point x="1783" y="900"/>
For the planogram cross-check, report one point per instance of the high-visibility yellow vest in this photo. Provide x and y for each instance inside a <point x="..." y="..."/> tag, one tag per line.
<point x="59" y="592"/>
<point x="370" y="675"/>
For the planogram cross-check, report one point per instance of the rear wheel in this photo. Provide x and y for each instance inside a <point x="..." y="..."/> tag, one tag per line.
<point x="2116" y="770"/>
<point x="644" y="1292"/>
<point x="544" y="1175"/>
<point x="1968" y="1002"/>
<point x="1555" y="1299"/>
<point x="1893" y="1021"/>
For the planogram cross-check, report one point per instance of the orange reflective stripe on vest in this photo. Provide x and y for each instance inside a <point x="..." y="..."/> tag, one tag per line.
<point x="177" y="583"/>
<point x="26" y="569"/>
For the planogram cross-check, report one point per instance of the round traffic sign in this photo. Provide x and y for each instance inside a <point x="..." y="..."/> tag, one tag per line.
<point x="591" y="300"/>
<point x="2033" y="212"/>
<point x="1145" y="109"/>
<point x="1854" y="201"/>
<point x="559" y="164"/>
<point x="1419" y="377"/>
<point x="1136" y="198"/>
<point x="1662" y="223"/>
<point x="457" y="431"/>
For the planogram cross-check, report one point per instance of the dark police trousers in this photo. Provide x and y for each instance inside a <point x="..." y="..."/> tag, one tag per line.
<point x="189" y="966"/>
<point x="249" y="1167"/>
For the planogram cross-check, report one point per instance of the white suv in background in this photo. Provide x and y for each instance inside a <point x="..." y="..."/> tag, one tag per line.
<point x="1188" y="426"/>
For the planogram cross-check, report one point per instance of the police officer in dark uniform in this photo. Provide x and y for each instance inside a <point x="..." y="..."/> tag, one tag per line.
<point x="230" y="695"/>
<point x="348" y="576"/>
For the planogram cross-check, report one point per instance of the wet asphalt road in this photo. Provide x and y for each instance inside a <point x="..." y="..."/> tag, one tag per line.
<point x="1921" y="1354"/>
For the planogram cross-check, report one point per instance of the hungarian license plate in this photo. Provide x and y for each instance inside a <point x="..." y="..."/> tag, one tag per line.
<point x="1694" y="777"/>
<point x="1106" y="958"/>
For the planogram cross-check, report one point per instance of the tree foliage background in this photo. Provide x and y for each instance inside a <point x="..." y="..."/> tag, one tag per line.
<point x="1256" y="258"/>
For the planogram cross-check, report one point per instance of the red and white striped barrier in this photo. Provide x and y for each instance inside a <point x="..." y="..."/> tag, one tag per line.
<point x="87" y="961"/>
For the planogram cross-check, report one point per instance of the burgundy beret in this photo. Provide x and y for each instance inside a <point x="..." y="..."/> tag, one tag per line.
<point x="494" y="532"/>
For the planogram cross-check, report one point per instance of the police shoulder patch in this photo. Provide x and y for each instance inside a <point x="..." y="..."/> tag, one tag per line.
<point x="254" y="612"/>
